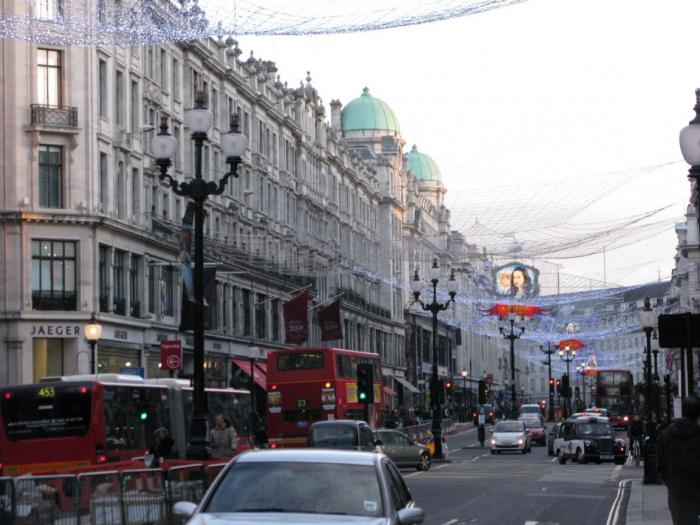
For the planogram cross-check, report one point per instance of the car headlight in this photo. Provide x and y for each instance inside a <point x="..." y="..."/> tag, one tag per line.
<point x="520" y="441"/>
<point x="493" y="441"/>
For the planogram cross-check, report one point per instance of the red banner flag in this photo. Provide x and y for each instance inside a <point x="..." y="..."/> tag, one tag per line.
<point x="296" y="320"/>
<point x="329" y="319"/>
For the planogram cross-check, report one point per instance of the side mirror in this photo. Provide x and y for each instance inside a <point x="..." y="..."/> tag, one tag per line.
<point x="184" y="509"/>
<point x="411" y="515"/>
<point x="378" y="442"/>
<point x="490" y="431"/>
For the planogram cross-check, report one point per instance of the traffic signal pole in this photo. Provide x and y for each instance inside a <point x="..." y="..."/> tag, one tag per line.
<point x="548" y="362"/>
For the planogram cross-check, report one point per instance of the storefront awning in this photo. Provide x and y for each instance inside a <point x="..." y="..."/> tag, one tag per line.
<point x="407" y="385"/>
<point x="389" y="391"/>
<point x="259" y="376"/>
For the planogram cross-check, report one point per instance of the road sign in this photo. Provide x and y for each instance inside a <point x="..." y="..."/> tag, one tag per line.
<point x="170" y="355"/>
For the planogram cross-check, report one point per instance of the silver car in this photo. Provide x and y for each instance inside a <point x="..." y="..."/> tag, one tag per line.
<point x="509" y="435"/>
<point x="403" y="450"/>
<point x="305" y="486"/>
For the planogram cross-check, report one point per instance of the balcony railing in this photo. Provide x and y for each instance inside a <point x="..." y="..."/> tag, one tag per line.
<point x="119" y="305"/>
<point x="54" y="116"/>
<point x="104" y="303"/>
<point x="136" y="309"/>
<point x="47" y="300"/>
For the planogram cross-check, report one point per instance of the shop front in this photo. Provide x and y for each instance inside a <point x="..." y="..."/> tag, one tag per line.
<point x="54" y="350"/>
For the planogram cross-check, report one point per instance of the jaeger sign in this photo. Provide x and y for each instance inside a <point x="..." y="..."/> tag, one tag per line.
<point x="55" y="330"/>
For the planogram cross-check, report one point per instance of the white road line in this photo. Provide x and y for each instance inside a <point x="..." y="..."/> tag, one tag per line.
<point x="554" y="460"/>
<point x="451" y="522"/>
<point x="440" y="466"/>
<point x="614" y="513"/>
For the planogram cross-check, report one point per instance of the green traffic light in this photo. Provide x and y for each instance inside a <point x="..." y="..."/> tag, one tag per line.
<point x="363" y="396"/>
<point x="143" y="416"/>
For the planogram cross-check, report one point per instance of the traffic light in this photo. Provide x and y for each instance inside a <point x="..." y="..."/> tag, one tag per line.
<point x="365" y="389"/>
<point x="558" y="387"/>
<point x="551" y="386"/>
<point x="565" y="388"/>
<point x="482" y="392"/>
<point x="448" y="389"/>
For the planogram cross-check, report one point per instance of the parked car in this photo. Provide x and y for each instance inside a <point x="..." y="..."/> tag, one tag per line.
<point x="551" y="436"/>
<point x="402" y="450"/>
<point x="534" y="426"/>
<point x="589" y="438"/>
<point x="509" y="435"/>
<point x="302" y="486"/>
<point x="342" y="433"/>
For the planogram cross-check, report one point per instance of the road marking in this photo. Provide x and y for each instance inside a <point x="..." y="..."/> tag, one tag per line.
<point x="614" y="514"/>
<point x="554" y="459"/>
<point x="451" y="522"/>
<point x="441" y="466"/>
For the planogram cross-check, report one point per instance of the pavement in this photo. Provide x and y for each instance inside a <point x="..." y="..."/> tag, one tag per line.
<point x="647" y="505"/>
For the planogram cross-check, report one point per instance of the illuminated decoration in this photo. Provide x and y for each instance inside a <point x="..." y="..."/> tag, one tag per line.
<point x="516" y="280"/>
<point x="146" y="22"/>
<point x="571" y="344"/>
<point x="520" y="310"/>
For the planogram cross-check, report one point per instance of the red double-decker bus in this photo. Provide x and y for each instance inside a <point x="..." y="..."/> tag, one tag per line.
<point x="614" y="391"/>
<point x="305" y="385"/>
<point x="72" y="422"/>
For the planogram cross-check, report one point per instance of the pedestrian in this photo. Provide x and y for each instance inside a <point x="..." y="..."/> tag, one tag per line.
<point x="223" y="438"/>
<point x="679" y="463"/>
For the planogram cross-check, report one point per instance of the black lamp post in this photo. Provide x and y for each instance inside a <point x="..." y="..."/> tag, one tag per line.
<point x="647" y="319"/>
<point x="567" y="355"/>
<point x="512" y="336"/>
<point x="465" y="373"/>
<point x="434" y="308"/>
<point x="164" y="146"/>
<point x="548" y="352"/>
<point x="581" y="370"/>
<point x="93" y="332"/>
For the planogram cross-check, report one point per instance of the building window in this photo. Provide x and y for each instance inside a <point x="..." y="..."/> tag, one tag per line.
<point x="120" y="98"/>
<point x="50" y="176"/>
<point x="118" y="271"/>
<point x="275" y="307"/>
<point x="134" y="288"/>
<point x="48" y="358"/>
<point x="176" y="79"/>
<point x="104" y="182"/>
<point x="163" y="70"/>
<point x="104" y="278"/>
<point x="134" y="106"/>
<point x="48" y="9"/>
<point x="120" y="191"/>
<point x="102" y="80"/>
<point x="49" y="77"/>
<point x="246" y="312"/>
<point x="135" y="194"/>
<point x="260" y="317"/>
<point x="152" y="289"/>
<point x="166" y="291"/>
<point x="53" y="275"/>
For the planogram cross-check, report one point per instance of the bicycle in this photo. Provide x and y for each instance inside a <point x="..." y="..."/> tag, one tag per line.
<point x="636" y="451"/>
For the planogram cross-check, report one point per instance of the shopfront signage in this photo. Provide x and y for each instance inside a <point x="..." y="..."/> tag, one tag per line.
<point x="121" y="334"/>
<point x="55" y="330"/>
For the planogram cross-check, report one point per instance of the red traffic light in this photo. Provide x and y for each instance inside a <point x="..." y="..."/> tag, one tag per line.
<point x="558" y="382"/>
<point x="448" y="384"/>
<point x="551" y="381"/>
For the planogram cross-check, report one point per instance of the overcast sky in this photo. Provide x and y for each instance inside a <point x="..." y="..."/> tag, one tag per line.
<point x="547" y="90"/>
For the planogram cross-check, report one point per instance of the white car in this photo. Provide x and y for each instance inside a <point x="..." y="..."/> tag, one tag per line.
<point x="509" y="435"/>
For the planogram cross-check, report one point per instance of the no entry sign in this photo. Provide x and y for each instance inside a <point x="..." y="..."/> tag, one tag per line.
<point x="170" y="355"/>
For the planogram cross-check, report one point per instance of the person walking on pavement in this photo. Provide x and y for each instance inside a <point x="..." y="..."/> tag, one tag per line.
<point x="636" y="432"/>
<point x="223" y="438"/>
<point x="679" y="463"/>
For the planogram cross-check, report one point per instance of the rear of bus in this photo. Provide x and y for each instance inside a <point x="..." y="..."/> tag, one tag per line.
<point x="614" y="392"/>
<point x="48" y="427"/>
<point x="309" y="385"/>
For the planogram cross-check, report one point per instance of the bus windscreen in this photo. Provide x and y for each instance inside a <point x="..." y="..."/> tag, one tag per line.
<point x="46" y="412"/>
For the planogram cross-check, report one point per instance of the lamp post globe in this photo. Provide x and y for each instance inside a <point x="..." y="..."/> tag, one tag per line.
<point x="93" y="332"/>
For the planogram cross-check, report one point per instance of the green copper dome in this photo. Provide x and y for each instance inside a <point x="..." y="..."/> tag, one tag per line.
<point x="367" y="113"/>
<point x="422" y="166"/>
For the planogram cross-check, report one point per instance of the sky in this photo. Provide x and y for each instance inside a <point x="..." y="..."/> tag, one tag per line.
<point x="542" y="91"/>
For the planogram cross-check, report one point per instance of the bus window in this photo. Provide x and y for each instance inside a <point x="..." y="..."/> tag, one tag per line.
<point x="46" y="412"/>
<point x="132" y="415"/>
<point x="300" y="361"/>
<point x="235" y="407"/>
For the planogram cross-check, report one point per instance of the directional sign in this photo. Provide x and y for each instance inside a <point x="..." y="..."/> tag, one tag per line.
<point x="170" y="355"/>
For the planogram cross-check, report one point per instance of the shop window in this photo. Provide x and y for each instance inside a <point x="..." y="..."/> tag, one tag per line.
<point x="112" y="360"/>
<point x="53" y="275"/>
<point x="48" y="358"/>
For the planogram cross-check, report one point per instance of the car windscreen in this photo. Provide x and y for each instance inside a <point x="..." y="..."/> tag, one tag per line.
<point x="46" y="411"/>
<point x="598" y="429"/>
<point x="509" y="426"/>
<point x="314" y="488"/>
<point x="334" y="435"/>
<point x="532" y="422"/>
<point x="530" y="410"/>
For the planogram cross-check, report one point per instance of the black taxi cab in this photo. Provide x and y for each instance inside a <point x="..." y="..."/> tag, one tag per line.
<point x="589" y="438"/>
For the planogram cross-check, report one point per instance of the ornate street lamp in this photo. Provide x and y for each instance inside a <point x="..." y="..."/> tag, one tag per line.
<point x="512" y="336"/>
<point x="434" y="308"/>
<point x="548" y="352"/>
<point x="93" y="332"/>
<point x="164" y="146"/>
<point x="567" y="354"/>
<point x="648" y="320"/>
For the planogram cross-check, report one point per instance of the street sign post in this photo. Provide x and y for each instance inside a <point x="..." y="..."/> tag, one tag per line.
<point x="170" y="355"/>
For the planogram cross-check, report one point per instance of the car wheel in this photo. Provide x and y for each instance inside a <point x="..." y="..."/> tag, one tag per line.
<point x="562" y="458"/>
<point x="580" y="457"/>
<point x="423" y="462"/>
<point x="498" y="452"/>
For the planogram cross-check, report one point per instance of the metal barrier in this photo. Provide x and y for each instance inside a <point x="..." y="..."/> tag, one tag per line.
<point x="46" y="499"/>
<point x="7" y="501"/>
<point x="100" y="498"/>
<point x="143" y="497"/>
<point x="213" y="471"/>
<point x="185" y="483"/>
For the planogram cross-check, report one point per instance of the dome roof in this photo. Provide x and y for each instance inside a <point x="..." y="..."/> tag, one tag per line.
<point x="366" y="113"/>
<point x="422" y="166"/>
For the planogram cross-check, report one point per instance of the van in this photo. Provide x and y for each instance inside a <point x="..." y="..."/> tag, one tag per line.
<point x="342" y="433"/>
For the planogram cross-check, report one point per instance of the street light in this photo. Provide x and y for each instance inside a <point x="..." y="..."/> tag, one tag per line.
<point x="567" y="354"/>
<point x="93" y="332"/>
<point x="512" y="336"/>
<point x="464" y="388"/>
<point x="548" y="352"/>
<point x="647" y="320"/>
<point x="434" y="308"/>
<point x="690" y="148"/>
<point x="164" y="145"/>
<point x="581" y="370"/>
